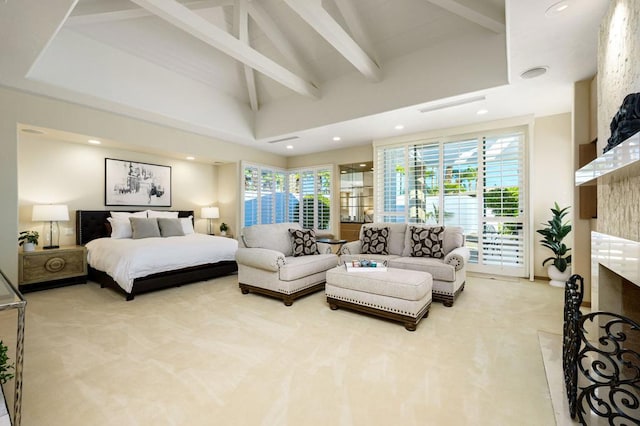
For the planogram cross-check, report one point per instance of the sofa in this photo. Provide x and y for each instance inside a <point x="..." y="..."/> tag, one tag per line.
<point x="401" y="247"/>
<point x="273" y="262"/>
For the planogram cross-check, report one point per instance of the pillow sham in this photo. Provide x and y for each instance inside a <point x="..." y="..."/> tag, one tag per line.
<point x="427" y="241"/>
<point x="187" y="225"/>
<point x="374" y="240"/>
<point x="144" y="227"/>
<point x="170" y="227"/>
<point x="127" y="215"/>
<point x="158" y="213"/>
<point x="120" y="228"/>
<point x="304" y="242"/>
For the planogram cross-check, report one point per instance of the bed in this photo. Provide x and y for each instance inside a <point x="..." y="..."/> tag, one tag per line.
<point x="91" y="226"/>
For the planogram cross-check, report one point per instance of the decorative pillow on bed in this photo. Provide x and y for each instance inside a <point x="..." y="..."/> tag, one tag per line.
<point x="187" y="225"/>
<point x="170" y="227"/>
<point x="427" y="241"/>
<point x="120" y="228"/>
<point x="158" y="213"/>
<point x="127" y="215"/>
<point x="374" y="240"/>
<point x="304" y="242"/>
<point x="144" y="228"/>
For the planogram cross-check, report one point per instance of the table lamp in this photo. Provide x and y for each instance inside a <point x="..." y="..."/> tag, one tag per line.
<point x="50" y="214"/>
<point x="210" y="213"/>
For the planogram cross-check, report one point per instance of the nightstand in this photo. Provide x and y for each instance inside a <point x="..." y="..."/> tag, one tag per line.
<point x="43" y="269"/>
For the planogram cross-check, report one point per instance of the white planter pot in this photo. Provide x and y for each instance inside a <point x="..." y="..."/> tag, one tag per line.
<point x="28" y="247"/>
<point x="557" y="278"/>
<point x="223" y="233"/>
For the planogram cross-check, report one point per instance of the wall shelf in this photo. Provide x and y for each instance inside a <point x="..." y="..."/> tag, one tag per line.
<point x="621" y="156"/>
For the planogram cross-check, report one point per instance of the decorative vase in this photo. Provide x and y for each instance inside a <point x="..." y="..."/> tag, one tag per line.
<point x="557" y="278"/>
<point x="28" y="247"/>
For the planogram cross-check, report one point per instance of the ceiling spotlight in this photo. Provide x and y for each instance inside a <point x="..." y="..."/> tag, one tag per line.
<point x="482" y="111"/>
<point x="534" y="72"/>
<point x="399" y="126"/>
<point x="337" y="138"/>
<point x="94" y="142"/>
<point x="191" y="158"/>
<point x="289" y="146"/>
<point x="558" y="8"/>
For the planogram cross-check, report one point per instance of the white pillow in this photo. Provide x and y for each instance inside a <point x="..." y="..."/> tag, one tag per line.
<point x="165" y="214"/>
<point x="120" y="228"/>
<point x="127" y="215"/>
<point x="187" y="225"/>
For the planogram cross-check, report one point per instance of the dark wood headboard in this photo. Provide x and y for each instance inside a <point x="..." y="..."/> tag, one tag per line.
<point x="91" y="224"/>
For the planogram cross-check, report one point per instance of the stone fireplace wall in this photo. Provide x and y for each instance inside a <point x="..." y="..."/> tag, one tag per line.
<point x="618" y="75"/>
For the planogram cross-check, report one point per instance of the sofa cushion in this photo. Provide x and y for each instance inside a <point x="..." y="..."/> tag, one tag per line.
<point x="302" y="266"/>
<point x="453" y="238"/>
<point x="304" y="242"/>
<point x="426" y="242"/>
<point x="396" y="240"/>
<point x="436" y="267"/>
<point x="273" y="236"/>
<point x="374" y="240"/>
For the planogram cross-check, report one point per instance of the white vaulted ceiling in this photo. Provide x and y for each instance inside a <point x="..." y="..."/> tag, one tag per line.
<point x="255" y="71"/>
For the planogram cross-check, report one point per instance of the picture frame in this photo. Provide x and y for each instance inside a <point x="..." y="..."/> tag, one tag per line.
<point x="133" y="183"/>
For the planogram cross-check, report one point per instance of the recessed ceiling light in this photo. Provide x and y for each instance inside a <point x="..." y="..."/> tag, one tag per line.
<point x="94" y="142"/>
<point x="289" y="146"/>
<point x="558" y="7"/>
<point x="191" y="158"/>
<point x="343" y="171"/>
<point x="534" y="72"/>
<point x="399" y="126"/>
<point x="482" y="111"/>
<point x="363" y="165"/>
<point x="337" y="138"/>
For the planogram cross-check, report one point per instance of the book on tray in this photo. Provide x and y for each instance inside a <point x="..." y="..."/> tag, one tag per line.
<point x="364" y="266"/>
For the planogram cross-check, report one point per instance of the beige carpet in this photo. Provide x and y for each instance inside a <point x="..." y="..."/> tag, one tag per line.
<point x="204" y="354"/>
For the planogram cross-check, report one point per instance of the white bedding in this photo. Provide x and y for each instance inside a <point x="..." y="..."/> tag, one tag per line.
<point x="127" y="259"/>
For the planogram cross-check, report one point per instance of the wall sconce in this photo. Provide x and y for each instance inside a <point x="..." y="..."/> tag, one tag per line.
<point x="209" y="213"/>
<point x="50" y="214"/>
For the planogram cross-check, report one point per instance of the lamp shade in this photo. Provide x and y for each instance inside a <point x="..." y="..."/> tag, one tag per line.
<point x="210" y="213"/>
<point x="50" y="212"/>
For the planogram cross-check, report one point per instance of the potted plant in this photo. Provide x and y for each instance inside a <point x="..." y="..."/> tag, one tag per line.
<point x="555" y="231"/>
<point x="223" y="228"/>
<point x="28" y="240"/>
<point x="5" y="367"/>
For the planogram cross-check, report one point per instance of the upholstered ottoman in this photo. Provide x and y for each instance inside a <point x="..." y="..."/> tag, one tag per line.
<point x="397" y="294"/>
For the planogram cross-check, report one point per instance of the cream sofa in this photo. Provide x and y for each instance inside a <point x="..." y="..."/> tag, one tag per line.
<point x="449" y="272"/>
<point x="266" y="264"/>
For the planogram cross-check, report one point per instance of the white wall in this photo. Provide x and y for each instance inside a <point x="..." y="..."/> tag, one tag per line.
<point x="55" y="172"/>
<point x="551" y="178"/>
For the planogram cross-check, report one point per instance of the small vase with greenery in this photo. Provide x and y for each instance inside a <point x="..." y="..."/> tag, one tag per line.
<point x="223" y="228"/>
<point x="5" y="367"/>
<point x="28" y="239"/>
<point x="555" y="231"/>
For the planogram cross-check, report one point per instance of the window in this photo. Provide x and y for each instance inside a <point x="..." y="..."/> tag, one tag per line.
<point x="275" y="196"/>
<point x="474" y="182"/>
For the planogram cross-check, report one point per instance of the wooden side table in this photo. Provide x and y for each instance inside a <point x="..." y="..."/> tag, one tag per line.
<point x="43" y="269"/>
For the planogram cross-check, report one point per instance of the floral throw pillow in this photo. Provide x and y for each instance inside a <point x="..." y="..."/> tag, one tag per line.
<point x="374" y="240"/>
<point x="304" y="242"/>
<point x="427" y="242"/>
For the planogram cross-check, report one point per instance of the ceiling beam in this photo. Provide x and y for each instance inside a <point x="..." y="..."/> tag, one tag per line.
<point x="178" y="15"/>
<point x="486" y="18"/>
<point x="241" y="30"/>
<point x="319" y="19"/>
<point x="279" y="40"/>
<point x="352" y="19"/>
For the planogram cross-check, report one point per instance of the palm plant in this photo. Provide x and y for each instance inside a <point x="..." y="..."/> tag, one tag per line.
<point x="553" y="235"/>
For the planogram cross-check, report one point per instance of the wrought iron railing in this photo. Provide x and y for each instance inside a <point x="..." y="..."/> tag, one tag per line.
<point x="601" y="370"/>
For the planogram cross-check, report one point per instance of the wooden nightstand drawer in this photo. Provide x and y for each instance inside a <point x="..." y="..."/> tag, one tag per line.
<point x="53" y="265"/>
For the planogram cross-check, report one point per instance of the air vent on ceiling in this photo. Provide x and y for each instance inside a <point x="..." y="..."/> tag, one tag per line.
<point x="290" y="138"/>
<point x="452" y="104"/>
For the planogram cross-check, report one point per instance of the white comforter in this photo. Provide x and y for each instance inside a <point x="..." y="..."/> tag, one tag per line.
<point x="127" y="259"/>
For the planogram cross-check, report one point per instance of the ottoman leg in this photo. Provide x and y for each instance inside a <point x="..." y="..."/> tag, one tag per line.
<point x="410" y="326"/>
<point x="333" y="306"/>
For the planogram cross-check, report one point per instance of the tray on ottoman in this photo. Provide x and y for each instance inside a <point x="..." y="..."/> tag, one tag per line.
<point x="397" y="294"/>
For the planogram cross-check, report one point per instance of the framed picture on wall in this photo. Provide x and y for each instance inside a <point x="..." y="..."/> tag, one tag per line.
<point x="131" y="183"/>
